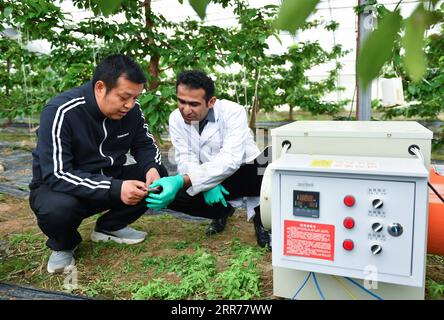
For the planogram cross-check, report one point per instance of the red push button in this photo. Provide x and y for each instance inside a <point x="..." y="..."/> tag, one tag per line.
<point x="348" y="245"/>
<point x="349" y="223"/>
<point x="349" y="201"/>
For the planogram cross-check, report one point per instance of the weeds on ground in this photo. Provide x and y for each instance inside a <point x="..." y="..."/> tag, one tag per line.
<point x="435" y="289"/>
<point x="241" y="280"/>
<point x="20" y="254"/>
<point x="197" y="276"/>
<point x="194" y="271"/>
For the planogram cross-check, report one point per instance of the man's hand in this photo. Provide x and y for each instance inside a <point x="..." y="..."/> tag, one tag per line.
<point x="151" y="176"/>
<point x="133" y="191"/>
<point x="216" y="195"/>
<point x="170" y="187"/>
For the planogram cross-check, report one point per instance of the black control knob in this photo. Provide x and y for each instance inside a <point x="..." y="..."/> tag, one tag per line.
<point x="376" y="249"/>
<point x="377" y="203"/>
<point x="395" y="229"/>
<point x="377" y="227"/>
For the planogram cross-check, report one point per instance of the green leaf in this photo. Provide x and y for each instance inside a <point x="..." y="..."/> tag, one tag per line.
<point x="146" y="98"/>
<point x="7" y="12"/>
<point x="200" y="7"/>
<point x="154" y="118"/>
<point x="413" y="43"/>
<point x="293" y="14"/>
<point x="107" y="7"/>
<point x="377" y="48"/>
<point x="262" y="38"/>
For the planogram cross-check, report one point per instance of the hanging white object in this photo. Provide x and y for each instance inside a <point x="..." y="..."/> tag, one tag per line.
<point x="11" y="33"/>
<point x="392" y="92"/>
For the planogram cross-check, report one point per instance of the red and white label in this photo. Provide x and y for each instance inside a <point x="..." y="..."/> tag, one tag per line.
<point x="311" y="240"/>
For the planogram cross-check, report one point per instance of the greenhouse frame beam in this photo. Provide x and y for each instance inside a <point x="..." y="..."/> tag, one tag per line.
<point x="364" y="96"/>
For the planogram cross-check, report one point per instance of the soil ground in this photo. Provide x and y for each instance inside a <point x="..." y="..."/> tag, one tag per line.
<point x="110" y="270"/>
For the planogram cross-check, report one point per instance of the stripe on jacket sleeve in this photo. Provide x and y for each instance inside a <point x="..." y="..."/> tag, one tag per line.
<point x="57" y="149"/>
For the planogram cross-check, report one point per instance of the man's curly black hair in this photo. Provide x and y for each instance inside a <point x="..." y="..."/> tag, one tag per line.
<point x="196" y="79"/>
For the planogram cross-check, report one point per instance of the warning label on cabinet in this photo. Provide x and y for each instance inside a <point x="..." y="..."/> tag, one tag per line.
<point x="311" y="240"/>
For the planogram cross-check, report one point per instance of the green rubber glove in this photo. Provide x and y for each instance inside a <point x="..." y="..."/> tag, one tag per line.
<point x="216" y="195"/>
<point x="170" y="187"/>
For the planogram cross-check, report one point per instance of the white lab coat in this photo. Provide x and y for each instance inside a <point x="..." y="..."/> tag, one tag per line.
<point x="223" y="147"/>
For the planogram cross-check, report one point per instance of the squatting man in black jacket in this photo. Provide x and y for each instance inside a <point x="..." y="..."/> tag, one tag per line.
<point x="78" y="164"/>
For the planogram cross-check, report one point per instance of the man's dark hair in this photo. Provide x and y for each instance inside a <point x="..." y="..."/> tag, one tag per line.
<point x="195" y="79"/>
<point x="114" y="66"/>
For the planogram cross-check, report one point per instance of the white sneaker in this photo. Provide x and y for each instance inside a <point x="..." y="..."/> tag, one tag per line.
<point x="126" y="235"/>
<point x="61" y="261"/>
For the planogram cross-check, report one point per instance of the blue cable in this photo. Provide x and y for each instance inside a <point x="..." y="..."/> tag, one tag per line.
<point x="302" y="287"/>
<point x="317" y="286"/>
<point x="368" y="291"/>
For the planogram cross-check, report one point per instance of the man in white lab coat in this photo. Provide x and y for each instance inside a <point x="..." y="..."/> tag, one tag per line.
<point x="215" y="154"/>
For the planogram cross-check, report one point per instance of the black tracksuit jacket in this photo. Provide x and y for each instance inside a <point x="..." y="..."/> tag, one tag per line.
<point x="79" y="150"/>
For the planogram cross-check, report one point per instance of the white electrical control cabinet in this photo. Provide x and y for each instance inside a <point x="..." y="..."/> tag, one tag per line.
<point x="347" y="215"/>
<point x="348" y="201"/>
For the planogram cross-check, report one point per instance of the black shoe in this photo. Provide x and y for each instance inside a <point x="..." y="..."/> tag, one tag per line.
<point x="218" y="225"/>
<point x="262" y="236"/>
